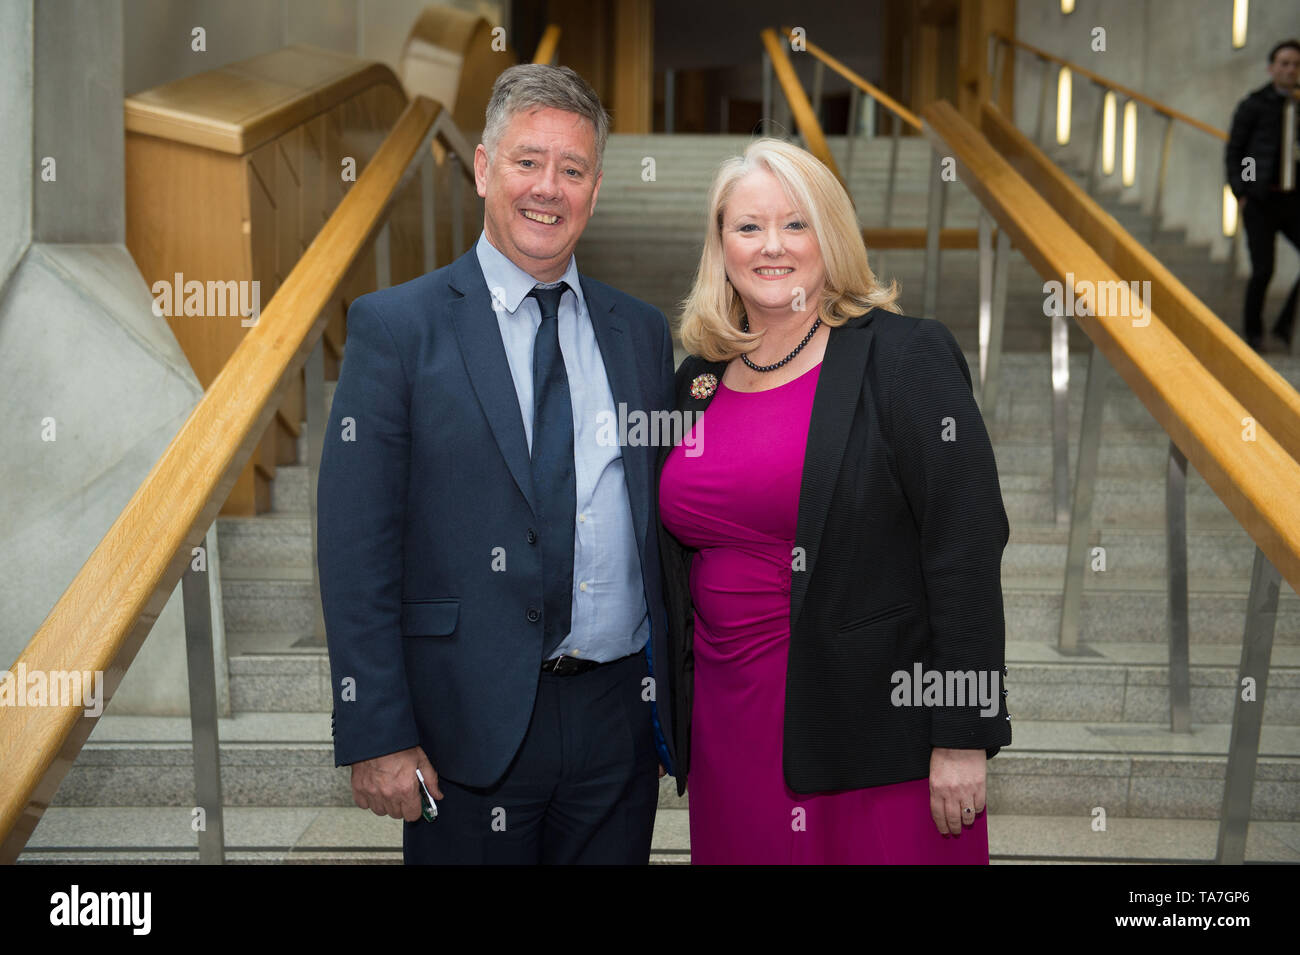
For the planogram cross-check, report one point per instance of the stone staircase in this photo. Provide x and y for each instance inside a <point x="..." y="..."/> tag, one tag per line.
<point x="1090" y="731"/>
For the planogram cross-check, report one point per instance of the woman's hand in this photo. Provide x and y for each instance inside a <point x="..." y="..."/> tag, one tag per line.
<point x="956" y="784"/>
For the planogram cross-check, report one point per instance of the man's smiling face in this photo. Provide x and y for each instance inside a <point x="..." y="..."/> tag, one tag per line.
<point x="539" y="189"/>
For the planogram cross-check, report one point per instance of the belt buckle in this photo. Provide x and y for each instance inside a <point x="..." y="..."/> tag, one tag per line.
<point x="559" y="669"/>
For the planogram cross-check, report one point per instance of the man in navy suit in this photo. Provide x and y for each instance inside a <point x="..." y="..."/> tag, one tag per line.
<point x="488" y="559"/>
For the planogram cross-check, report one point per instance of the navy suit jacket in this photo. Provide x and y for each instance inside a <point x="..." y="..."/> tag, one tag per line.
<point x="425" y="484"/>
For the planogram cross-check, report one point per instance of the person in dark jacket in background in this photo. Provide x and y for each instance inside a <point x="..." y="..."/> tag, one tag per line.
<point x="1254" y="164"/>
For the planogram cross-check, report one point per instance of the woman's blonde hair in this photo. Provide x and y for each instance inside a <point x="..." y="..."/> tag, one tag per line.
<point x="711" y="313"/>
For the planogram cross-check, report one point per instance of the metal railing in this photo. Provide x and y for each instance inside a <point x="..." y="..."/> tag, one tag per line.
<point x="1201" y="415"/>
<point x="102" y="618"/>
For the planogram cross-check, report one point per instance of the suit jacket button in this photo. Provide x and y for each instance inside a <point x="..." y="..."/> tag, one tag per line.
<point x="533" y="615"/>
<point x="532" y="536"/>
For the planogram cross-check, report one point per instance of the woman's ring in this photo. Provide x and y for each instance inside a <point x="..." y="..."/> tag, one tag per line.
<point x="967" y="811"/>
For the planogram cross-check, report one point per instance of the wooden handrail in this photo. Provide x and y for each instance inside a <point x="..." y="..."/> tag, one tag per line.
<point x="804" y="117"/>
<point x="107" y="611"/>
<point x="1255" y="383"/>
<point x="914" y="238"/>
<point x="1128" y="92"/>
<point x="875" y="92"/>
<point x="1253" y="478"/>
<point x="546" y="46"/>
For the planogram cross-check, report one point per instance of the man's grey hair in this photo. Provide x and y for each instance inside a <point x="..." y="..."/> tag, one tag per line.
<point x="531" y="86"/>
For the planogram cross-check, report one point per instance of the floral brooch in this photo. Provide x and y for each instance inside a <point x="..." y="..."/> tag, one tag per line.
<point x="704" y="385"/>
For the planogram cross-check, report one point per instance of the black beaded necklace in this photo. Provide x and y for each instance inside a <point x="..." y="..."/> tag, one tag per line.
<point x="744" y="327"/>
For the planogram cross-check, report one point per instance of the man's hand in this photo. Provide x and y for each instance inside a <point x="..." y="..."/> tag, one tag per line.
<point x="662" y="772"/>
<point x="956" y="783"/>
<point x="386" y="785"/>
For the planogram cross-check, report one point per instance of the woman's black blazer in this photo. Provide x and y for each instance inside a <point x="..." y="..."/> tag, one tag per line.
<point x="897" y="562"/>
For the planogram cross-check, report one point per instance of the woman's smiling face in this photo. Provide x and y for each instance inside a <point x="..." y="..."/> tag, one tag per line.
<point x="769" y="248"/>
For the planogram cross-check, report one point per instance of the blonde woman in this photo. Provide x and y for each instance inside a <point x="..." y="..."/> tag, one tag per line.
<point x="832" y="533"/>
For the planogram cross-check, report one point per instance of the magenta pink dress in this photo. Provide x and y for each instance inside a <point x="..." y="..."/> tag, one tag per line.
<point x="736" y="502"/>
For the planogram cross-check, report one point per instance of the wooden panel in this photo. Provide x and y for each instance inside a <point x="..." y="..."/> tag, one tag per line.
<point x="236" y="108"/>
<point x="335" y="187"/>
<point x="287" y="203"/>
<point x="448" y="56"/>
<point x="335" y="328"/>
<point x="311" y="202"/>
<point x="166" y="236"/>
<point x="587" y="41"/>
<point x="262" y="217"/>
<point x="633" y="66"/>
<point x="269" y="205"/>
<point x="978" y="19"/>
<point x="267" y="451"/>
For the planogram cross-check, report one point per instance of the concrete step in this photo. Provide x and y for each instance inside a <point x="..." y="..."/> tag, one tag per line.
<point x="268" y="598"/>
<point x="1129" y="552"/>
<point x="1032" y="610"/>
<point x="306" y="835"/>
<point x="1054" y="767"/>
<point x="273" y="539"/>
<point x="1124" y="681"/>
<point x="1060" y="768"/>
<point x="1129" y="683"/>
<point x="1117" y="501"/>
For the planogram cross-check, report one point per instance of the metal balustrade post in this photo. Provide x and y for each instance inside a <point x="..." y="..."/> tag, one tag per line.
<point x="1085" y="479"/>
<point x="765" y="124"/>
<point x="457" y="208"/>
<point x="383" y="258"/>
<point x="1045" y="92"/>
<point x="1234" y="250"/>
<point x="897" y="124"/>
<point x="985" y="272"/>
<point x="1100" y="132"/>
<point x="1176" y="615"/>
<point x="1060" y="364"/>
<point x="201" y="669"/>
<point x="428" y="234"/>
<point x="819" y="78"/>
<point x="670" y="100"/>
<point x="1001" y="263"/>
<point x="1248" y="715"/>
<point x="855" y="107"/>
<point x="998" y="56"/>
<point x="1157" y="208"/>
<point x="933" y="226"/>
<point x="317" y="421"/>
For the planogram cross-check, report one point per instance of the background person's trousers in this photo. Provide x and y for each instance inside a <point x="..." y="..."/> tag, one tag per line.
<point x="582" y="789"/>
<point x="1264" y="218"/>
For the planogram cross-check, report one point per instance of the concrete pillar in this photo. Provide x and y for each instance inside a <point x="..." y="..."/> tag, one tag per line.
<point x="92" y="385"/>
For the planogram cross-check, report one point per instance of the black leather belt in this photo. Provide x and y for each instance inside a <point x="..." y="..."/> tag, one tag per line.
<point x="570" y="666"/>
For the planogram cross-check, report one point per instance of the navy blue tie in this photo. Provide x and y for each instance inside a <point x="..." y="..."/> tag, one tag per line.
<point x="554" y="481"/>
